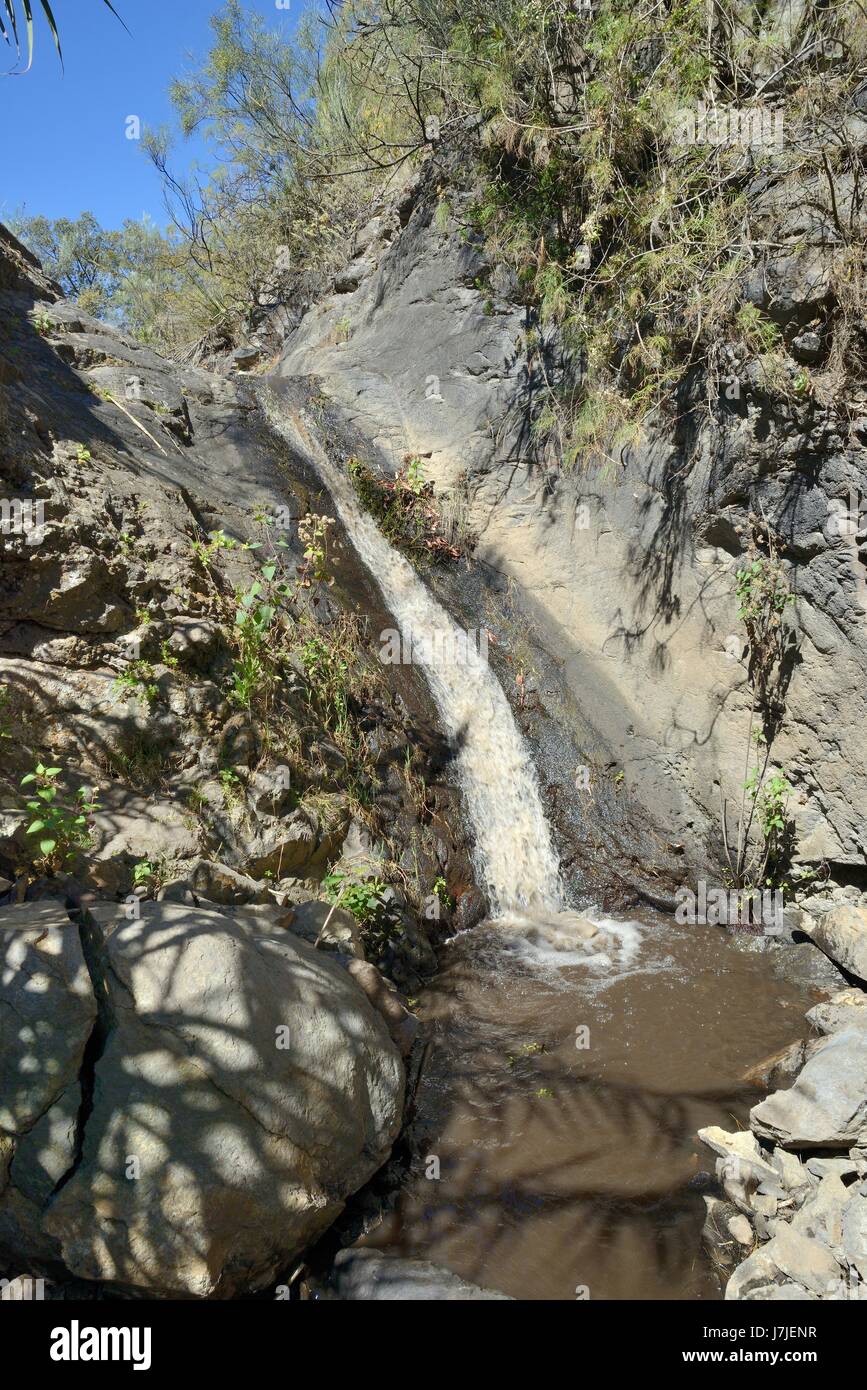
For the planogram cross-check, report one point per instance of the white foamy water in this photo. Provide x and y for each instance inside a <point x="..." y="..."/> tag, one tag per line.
<point x="514" y="854"/>
<point x="553" y="941"/>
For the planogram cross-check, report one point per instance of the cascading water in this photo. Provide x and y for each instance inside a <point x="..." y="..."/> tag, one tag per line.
<point x="567" y="1163"/>
<point x="514" y="854"/>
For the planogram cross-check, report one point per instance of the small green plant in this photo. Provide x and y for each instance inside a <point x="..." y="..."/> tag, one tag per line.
<point x="328" y="672"/>
<point x="366" y="899"/>
<point x="204" y="551"/>
<point x="43" y="325"/>
<point x="82" y="454"/>
<point x="343" y="329"/>
<point x="759" y="853"/>
<point x="151" y="875"/>
<point x="362" y="897"/>
<point x="142" y="874"/>
<point x="415" y="476"/>
<point x="313" y="533"/>
<point x="137" y="682"/>
<point x="441" y="891"/>
<point x="231" y="784"/>
<point x="442" y="214"/>
<point x="251" y="669"/>
<point x="62" y="827"/>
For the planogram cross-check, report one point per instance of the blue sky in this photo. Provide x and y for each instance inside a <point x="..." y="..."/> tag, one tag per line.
<point x="65" y="146"/>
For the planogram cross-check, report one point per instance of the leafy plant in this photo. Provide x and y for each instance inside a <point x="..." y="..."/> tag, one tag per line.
<point x="10" y="21"/>
<point x="143" y="872"/>
<point x="62" y="826"/>
<point x="251" y="670"/>
<point x="368" y="900"/>
<point x="313" y="534"/>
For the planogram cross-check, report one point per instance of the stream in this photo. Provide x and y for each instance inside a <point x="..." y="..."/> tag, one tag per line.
<point x="568" y="1159"/>
<point x="571" y="1058"/>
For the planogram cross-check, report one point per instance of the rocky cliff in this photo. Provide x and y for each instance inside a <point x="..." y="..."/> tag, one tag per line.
<point x="217" y="1056"/>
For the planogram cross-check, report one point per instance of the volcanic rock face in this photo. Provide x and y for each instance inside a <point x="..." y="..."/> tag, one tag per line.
<point x="624" y="575"/>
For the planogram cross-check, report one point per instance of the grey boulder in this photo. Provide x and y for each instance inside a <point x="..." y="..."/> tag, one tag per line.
<point x="245" y="1089"/>
<point x="826" y="1108"/>
<point x="842" y="935"/>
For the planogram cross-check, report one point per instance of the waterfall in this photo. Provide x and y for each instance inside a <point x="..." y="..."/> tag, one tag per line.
<point x="514" y="856"/>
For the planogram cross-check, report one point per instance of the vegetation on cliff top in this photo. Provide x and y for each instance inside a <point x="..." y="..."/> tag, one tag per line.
<point x="627" y="224"/>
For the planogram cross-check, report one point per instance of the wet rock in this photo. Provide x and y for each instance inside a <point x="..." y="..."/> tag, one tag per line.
<point x="842" y="935"/>
<point x="408" y="957"/>
<point x="780" y="1067"/>
<point x="254" y="1086"/>
<point x="368" y="1276"/>
<point x="826" y="1108"/>
<point x="470" y="909"/>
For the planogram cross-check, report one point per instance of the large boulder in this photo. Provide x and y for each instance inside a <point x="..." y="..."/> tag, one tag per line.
<point x="842" y="935"/>
<point x="826" y="1108"/>
<point x="244" y="1089"/>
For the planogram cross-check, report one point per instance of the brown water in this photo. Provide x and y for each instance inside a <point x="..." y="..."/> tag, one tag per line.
<point x="563" y="1167"/>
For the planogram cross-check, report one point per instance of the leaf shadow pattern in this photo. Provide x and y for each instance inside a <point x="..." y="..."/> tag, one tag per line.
<point x="235" y="1089"/>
